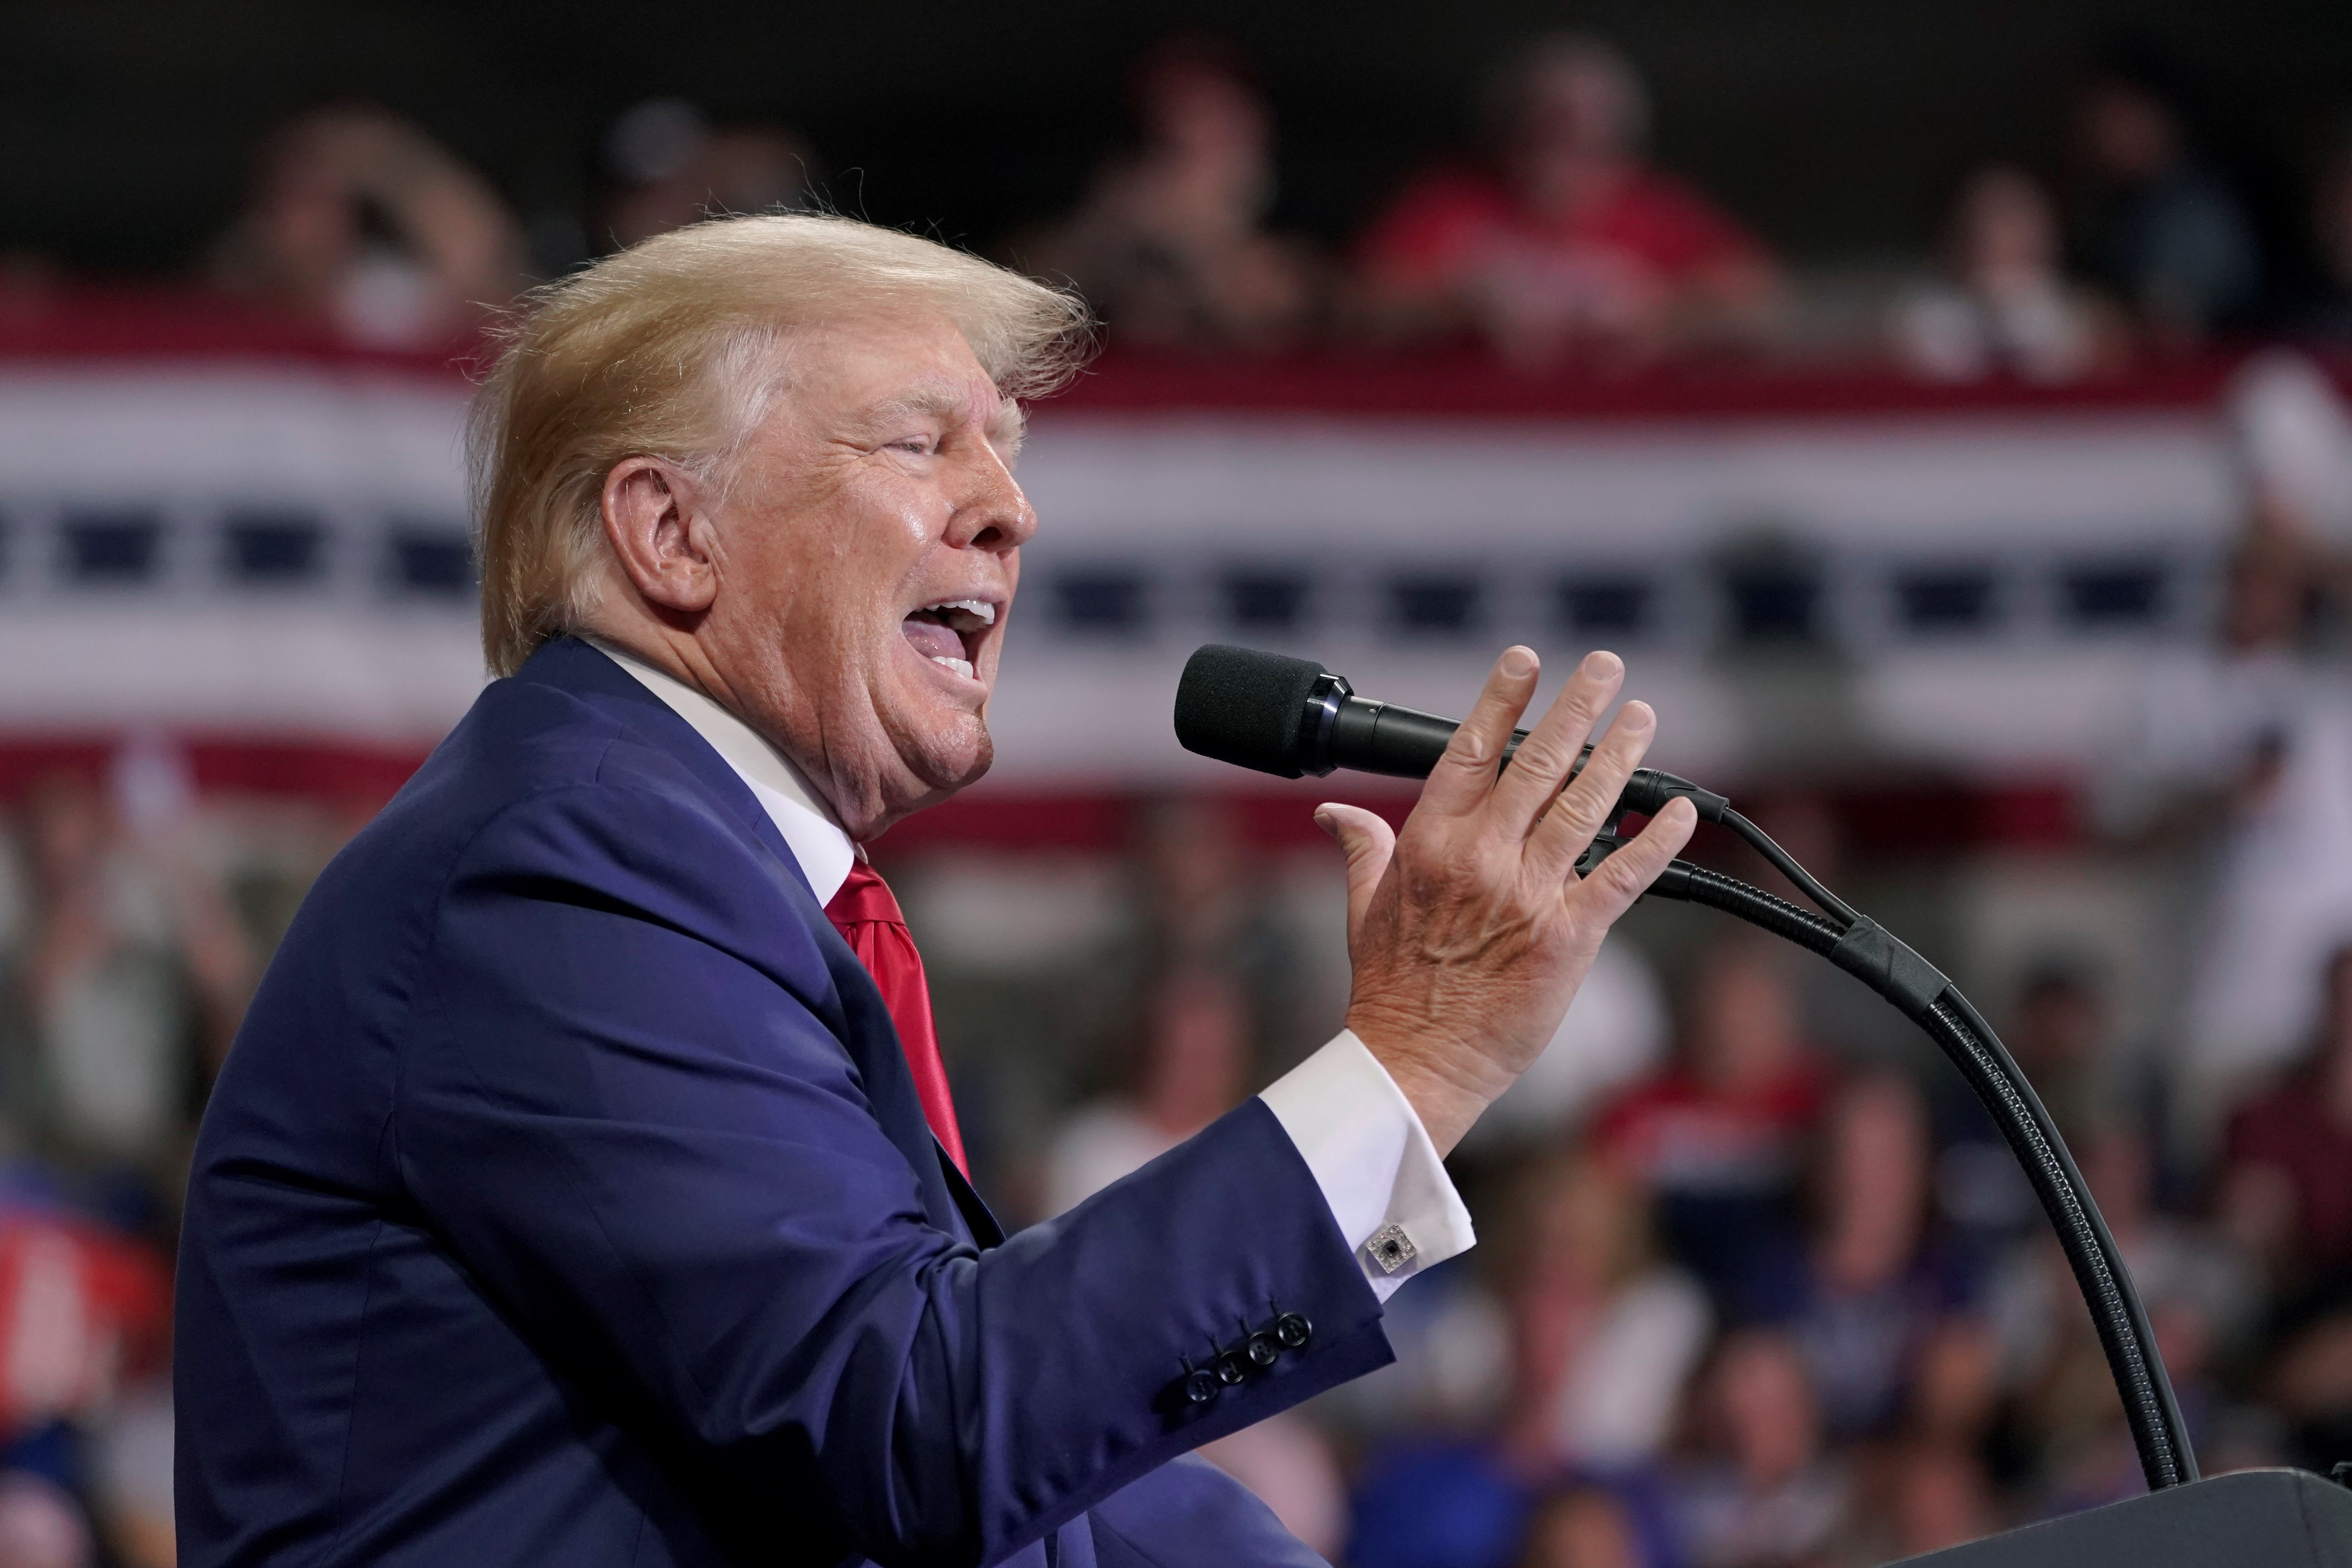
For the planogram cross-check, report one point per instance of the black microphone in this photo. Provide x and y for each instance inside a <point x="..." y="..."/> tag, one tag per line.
<point x="1292" y="717"/>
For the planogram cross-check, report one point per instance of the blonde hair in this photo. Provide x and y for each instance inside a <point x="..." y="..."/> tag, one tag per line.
<point x="673" y="349"/>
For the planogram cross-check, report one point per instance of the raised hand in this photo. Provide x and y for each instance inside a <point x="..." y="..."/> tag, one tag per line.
<point x="1469" y="932"/>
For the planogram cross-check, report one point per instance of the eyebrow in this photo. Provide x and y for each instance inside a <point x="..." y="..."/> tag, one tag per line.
<point x="1007" y="425"/>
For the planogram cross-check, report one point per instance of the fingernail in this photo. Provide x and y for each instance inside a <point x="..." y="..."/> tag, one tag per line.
<point x="1519" y="663"/>
<point x="1324" y="820"/>
<point x="1600" y="664"/>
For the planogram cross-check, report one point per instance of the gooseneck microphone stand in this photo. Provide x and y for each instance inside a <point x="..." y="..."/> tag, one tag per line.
<point x="1872" y="955"/>
<point x="1292" y="717"/>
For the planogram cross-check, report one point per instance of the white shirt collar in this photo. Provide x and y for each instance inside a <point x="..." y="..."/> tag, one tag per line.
<point x="815" y="839"/>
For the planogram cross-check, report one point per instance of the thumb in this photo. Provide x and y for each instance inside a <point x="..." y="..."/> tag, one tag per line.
<point x="1368" y="841"/>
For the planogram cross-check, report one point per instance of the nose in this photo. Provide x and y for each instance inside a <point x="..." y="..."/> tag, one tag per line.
<point x="991" y="511"/>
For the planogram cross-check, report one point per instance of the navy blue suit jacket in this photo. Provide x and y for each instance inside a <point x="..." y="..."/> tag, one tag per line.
<point x="566" y="1200"/>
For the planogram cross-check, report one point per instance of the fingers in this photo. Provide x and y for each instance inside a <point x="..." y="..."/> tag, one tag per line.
<point x="1617" y="881"/>
<point x="1368" y="841"/>
<point x="1465" y="776"/>
<point x="1542" y="763"/>
<point x="1580" y="810"/>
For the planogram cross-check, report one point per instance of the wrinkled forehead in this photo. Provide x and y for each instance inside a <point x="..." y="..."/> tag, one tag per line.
<point x="882" y="367"/>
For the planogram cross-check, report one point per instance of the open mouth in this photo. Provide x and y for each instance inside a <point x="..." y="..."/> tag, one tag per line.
<point x="948" y="633"/>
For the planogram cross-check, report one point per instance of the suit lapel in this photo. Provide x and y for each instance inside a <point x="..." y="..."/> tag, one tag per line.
<point x="867" y="1035"/>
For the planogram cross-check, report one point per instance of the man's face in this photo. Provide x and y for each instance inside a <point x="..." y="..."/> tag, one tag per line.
<point x="869" y="544"/>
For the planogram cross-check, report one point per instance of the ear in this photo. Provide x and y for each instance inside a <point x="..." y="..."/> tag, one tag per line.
<point x="666" y="547"/>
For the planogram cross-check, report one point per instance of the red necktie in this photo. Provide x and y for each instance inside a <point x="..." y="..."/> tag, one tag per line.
<point x="867" y="917"/>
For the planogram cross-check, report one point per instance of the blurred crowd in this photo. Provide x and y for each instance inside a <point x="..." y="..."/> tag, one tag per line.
<point x="1758" y="1284"/>
<point x="1555" y="239"/>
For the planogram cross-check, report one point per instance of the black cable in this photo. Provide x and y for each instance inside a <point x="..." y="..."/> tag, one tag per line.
<point x="1865" y="950"/>
<point x="1785" y="864"/>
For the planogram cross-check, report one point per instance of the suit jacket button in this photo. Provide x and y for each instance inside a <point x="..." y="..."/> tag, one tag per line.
<point x="1199" y="1386"/>
<point x="1234" y="1368"/>
<point x="1264" y="1349"/>
<point x="1291" y="1331"/>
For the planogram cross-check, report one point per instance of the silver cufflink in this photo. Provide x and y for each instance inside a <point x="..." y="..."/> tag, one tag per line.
<point x="1391" y="1249"/>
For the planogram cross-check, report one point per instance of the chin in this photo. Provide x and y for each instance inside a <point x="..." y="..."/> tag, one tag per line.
<point x="944" y="751"/>
<point x="944" y="775"/>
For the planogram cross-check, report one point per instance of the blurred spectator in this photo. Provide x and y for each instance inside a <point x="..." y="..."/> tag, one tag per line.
<point x="1762" y="1492"/>
<point x="2308" y="1384"/>
<point x="2241" y="756"/>
<point x="2286" y="1186"/>
<point x="670" y="167"/>
<point x="83" y="1309"/>
<point x="2287" y="1196"/>
<point x="83" y="1313"/>
<point x="360" y="221"/>
<point x="1192" y="1069"/>
<point x="2195" y="1287"/>
<point x="1955" y="1388"/>
<point x="1580" y="1370"/>
<point x="1171" y="243"/>
<point x="1583" y="1527"/>
<point x="2060" y="1031"/>
<point x="2005" y="305"/>
<point x="2326" y="314"/>
<point x="1207" y="902"/>
<point x="136" y="972"/>
<point x="1865" y="1294"/>
<point x="1928" y="1496"/>
<point x="2062" y="1036"/>
<point x="1191" y="877"/>
<point x="2292" y="429"/>
<point x="1719" y="1135"/>
<point x="1603" y="1336"/>
<point x="1568" y="243"/>
<point x="41" y="1525"/>
<point x="2158" y="225"/>
<point x="2292" y="432"/>
<point x="2200" y="1294"/>
<point x="2198" y="1300"/>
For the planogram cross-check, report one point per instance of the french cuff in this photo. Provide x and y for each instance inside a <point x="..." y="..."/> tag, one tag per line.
<point x="1387" y="1188"/>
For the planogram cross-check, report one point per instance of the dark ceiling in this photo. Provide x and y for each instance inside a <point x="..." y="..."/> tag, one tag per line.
<point x="1833" y="126"/>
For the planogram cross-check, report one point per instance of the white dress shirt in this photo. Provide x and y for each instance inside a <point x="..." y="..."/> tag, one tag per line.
<point x="1368" y="1152"/>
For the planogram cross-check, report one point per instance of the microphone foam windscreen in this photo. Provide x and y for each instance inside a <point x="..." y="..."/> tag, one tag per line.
<point x="1243" y="707"/>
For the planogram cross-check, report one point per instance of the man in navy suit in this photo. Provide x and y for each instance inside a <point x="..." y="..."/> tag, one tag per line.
<point x="575" y="1194"/>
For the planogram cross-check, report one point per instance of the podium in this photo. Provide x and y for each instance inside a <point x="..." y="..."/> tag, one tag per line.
<point x="2250" y="1519"/>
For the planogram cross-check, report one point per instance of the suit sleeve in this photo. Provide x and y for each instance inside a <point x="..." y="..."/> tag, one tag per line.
<point x="626" y="1108"/>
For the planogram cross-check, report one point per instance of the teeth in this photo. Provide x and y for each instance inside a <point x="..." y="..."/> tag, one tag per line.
<point x="961" y="666"/>
<point x="981" y="607"/>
